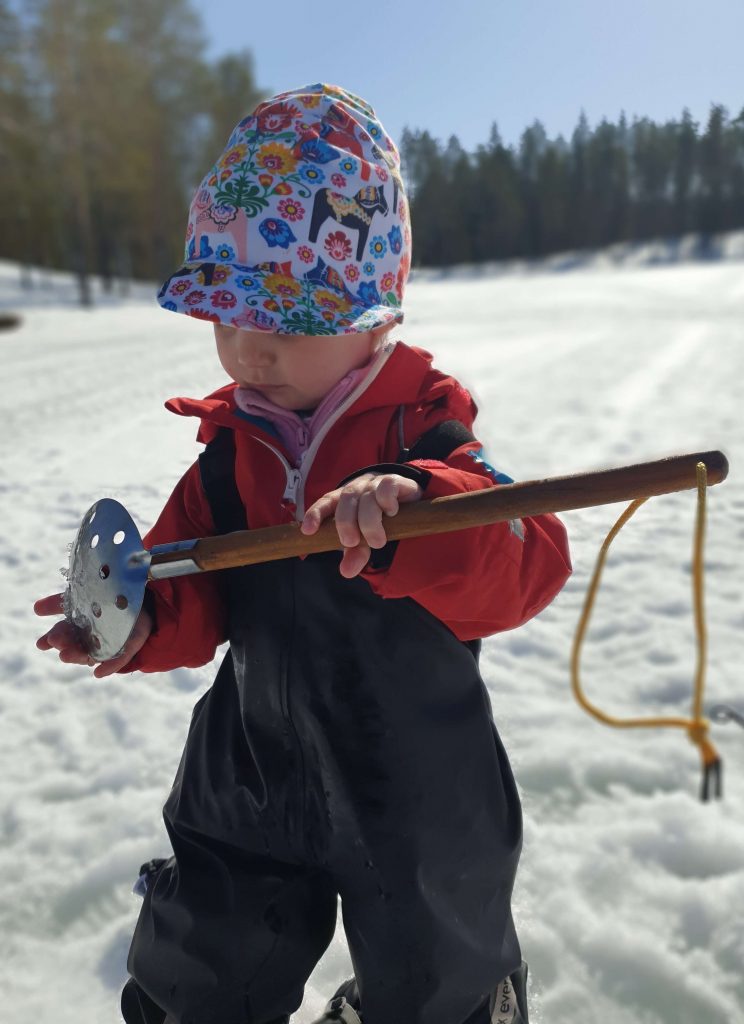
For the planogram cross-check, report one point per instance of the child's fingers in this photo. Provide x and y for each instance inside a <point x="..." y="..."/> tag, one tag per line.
<point x="392" y="491"/>
<point x="384" y="496"/>
<point x="140" y="633"/>
<point x="370" y="519"/>
<point x="75" y="656"/>
<point x="358" y="509"/>
<point x="327" y="506"/>
<point x="322" y="509"/>
<point x="68" y="640"/>
<point x="347" y="516"/>
<point x="60" y="637"/>
<point x="107" y="668"/>
<point x="52" y="605"/>
<point x="354" y="560"/>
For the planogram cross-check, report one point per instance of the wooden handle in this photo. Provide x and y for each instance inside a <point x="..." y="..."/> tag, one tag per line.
<point x="460" y="511"/>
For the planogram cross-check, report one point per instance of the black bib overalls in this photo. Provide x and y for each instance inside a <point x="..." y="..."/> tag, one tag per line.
<point x="346" y="748"/>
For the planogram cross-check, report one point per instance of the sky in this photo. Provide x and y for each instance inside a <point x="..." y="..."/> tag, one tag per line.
<point x="456" y="68"/>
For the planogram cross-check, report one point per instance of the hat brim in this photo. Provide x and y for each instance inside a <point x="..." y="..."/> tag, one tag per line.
<point x="269" y="298"/>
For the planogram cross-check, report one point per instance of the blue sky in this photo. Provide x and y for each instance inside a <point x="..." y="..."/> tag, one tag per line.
<point x="456" y="67"/>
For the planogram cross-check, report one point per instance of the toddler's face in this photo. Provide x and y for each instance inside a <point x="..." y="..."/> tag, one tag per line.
<point x="295" y="371"/>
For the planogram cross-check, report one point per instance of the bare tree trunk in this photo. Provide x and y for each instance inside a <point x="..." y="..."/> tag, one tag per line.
<point x="81" y="193"/>
<point x="124" y="266"/>
<point x="62" y="55"/>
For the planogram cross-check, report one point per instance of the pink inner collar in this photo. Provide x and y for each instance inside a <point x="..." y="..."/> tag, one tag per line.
<point x="295" y="432"/>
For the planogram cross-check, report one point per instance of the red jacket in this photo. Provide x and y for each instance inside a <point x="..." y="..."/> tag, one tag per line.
<point x="477" y="581"/>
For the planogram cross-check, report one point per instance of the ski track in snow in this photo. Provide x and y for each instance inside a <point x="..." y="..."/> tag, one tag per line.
<point x="628" y="901"/>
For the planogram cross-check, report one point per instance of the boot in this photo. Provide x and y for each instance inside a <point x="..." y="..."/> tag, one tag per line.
<point x="508" y="1003"/>
<point x="138" y="1008"/>
<point x="343" y="1007"/>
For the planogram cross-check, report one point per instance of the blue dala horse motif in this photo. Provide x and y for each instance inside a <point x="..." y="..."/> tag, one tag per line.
<point x="330" y="278"/>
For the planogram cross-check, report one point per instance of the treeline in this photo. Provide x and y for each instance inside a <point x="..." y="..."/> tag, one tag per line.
<point x="619" y="182"/>
<point x="110" y="112"/>
<point x="109" y="115"/>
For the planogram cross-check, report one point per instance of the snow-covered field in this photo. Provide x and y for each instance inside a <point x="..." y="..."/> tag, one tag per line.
<point x="630" y="898"/>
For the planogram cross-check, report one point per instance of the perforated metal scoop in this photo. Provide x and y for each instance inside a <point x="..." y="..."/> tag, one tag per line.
<point x="106" y="579"/>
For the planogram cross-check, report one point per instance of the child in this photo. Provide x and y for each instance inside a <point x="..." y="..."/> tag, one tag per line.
<point x="346" y="747"/>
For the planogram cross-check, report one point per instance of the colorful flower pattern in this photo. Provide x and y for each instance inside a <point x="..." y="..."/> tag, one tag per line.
<point x="224" y="299"/>
<point x="224" y="252"/>
<point x="313" y="176"/>
<point x="223" y="213"/>
<point x="395" y="239"/>
<point x="291" y="209"/>
<point x="276" y="232"/>
<point x="338" y="246"/>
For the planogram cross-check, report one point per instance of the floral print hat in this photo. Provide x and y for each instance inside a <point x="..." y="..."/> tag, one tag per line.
<point x="302" y="225"/>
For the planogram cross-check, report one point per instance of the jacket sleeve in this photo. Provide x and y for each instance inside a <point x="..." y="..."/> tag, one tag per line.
<point x="482" y="580"/>
<point x="189" y="611"/>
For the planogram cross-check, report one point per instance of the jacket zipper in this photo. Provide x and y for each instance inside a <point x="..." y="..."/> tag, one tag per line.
<point x="294" y="477"/>
<point x="294" y="490"/>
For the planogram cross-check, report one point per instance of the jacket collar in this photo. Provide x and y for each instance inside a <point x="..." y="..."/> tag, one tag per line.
<point x="399" y="382"/>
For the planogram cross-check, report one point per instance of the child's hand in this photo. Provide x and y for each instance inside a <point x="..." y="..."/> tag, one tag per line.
<point x="359" y="507"/>
<point x="67" y="638"/>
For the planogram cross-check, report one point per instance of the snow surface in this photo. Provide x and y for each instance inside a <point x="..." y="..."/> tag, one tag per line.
<point x="630" y="893"/>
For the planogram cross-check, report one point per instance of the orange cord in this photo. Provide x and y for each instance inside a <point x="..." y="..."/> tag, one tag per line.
<point x="697" y="726"/>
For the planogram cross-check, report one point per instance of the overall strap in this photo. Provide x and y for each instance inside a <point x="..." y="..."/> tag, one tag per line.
<point x="217" y="471"/>
<point x="437" y="443"/>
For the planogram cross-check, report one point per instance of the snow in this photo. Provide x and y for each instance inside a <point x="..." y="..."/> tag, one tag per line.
<point x="629" y="896"/>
